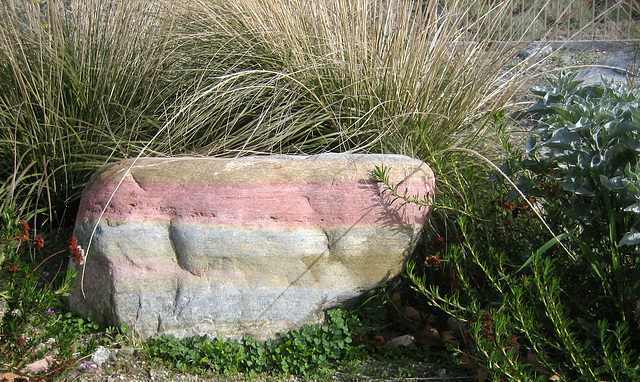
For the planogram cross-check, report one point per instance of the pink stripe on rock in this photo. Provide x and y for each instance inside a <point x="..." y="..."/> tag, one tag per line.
<point x="291" y="204"/>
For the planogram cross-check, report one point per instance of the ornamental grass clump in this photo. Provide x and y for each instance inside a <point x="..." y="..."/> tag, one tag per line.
<point x="410" y="77"/>
<point x="83" y="82"/>
<point x="90" y="82"/>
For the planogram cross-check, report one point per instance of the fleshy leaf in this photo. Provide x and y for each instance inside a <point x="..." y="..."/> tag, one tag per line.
<point x="631" y="238"/>
<point x="635" y="208"/>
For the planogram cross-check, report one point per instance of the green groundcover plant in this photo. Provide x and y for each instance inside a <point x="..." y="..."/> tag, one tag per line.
<point x="541" y="272"/>
<point x="36" y="325"/>
<point x="346" y="336"/>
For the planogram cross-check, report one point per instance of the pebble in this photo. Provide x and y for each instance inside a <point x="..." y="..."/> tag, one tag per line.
<point x="100" y="356"/>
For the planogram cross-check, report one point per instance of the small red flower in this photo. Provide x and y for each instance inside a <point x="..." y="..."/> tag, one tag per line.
<point x="488" y="333"/>
<point x="13" y="268"/>
<point x="434" y="260"/>
<point x="23" y="233"/>
<point x="380" y="341"/>
<point x="508" y="206"/>
<point x="38" y="242"/>
<point x="22" y="341"/>
<point x="76" y="251"/>
<point x="360" y="338"/>
<point x="487" y="318"/>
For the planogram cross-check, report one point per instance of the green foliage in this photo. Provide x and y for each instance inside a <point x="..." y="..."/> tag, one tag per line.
<point x="532" y="305"/>
<point x="346" y="336"/>
<point x="304" y="351"/>
<point x="36" y="322"/>
<point x="199" y="352"/>
<point x="587" y="149"/>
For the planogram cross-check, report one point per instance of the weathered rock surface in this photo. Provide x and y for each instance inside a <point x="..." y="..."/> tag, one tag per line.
<point x="252" y="245"/>
<point x="618" y="67"/>
<point x="535" y="50"/>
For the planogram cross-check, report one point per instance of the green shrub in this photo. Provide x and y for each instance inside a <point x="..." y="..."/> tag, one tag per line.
<point x="535" y="305"/>
<point x="588" y="146"/>
<point x="36" y="322"/>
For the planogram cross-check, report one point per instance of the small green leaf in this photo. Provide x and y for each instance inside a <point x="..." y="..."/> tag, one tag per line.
<point x="630" y="238"/>
<point x="543" y="249"/>
<point x="635" y="208"/>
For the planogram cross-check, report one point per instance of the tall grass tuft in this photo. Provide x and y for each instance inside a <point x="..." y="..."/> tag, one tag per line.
<point x="88" y="82"/>
<point x="83" y="82"/>
<point x="386" y="76"/>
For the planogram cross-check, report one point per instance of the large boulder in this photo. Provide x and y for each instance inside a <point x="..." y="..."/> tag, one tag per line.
<point x="230" y="247"/>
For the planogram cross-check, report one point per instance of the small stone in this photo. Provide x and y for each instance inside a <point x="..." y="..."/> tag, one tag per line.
<point x="100" y="356"/>
<point x="404" y="340"/>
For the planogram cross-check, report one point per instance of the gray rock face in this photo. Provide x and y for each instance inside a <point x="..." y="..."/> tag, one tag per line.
<point x="535" y="50"/>
<point x="230" y="247"/>
<point x="617" y="67"/>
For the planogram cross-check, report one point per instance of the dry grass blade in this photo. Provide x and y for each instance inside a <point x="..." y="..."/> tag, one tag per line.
<point x="387" y="76"/>
<point x="84" y="82"/>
